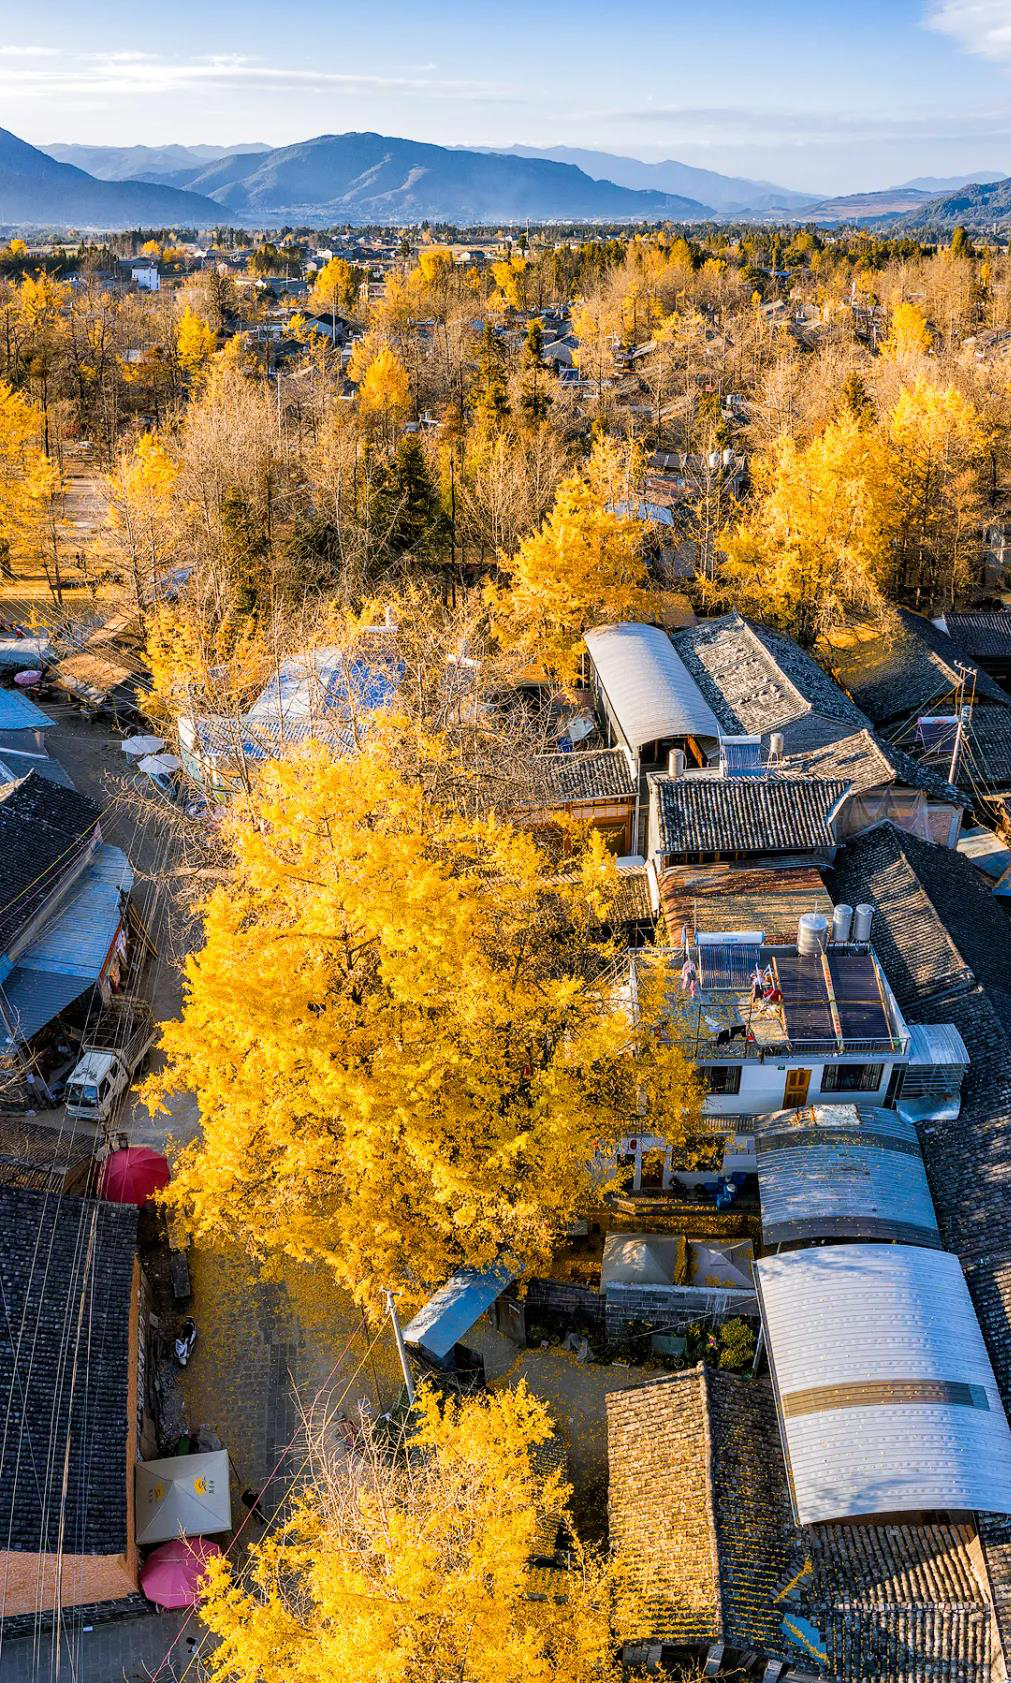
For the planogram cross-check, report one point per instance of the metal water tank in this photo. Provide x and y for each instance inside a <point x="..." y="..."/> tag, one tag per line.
<point x="777" y="744"/>
<point x="812" y="933"/>
<point x="676" y="762"/>
<point x="863" y="917"/>
<point x="842" y="922"/>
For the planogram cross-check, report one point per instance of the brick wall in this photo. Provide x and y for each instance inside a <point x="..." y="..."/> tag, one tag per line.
<point x="672" y="1307"/>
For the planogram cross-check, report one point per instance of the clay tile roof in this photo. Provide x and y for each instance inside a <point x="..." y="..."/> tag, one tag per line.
<point x="709" y="814"/>
<point x="727" y="896"/>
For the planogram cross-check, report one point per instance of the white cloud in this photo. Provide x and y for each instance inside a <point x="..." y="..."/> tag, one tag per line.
<point x="980" y="26"/>
<point x="127" y="73"/>
<point x="29" y="52"/>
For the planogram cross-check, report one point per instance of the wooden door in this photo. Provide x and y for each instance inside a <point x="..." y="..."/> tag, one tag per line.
<point x="797" y="1083"/>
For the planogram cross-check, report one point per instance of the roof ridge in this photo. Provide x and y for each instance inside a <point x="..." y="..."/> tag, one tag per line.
<point x="704" y="1377"/>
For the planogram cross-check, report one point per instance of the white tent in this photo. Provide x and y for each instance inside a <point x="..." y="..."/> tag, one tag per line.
<point x="138" y="746"/>
<point x="641" y="1259"/>
<point x="183" y="1495"/>
<point x="727" y="1263"/>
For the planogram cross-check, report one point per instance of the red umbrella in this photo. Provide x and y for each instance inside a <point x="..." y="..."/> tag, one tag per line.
<point x="132" y="1174"/>
<point x="172" y="1571"/>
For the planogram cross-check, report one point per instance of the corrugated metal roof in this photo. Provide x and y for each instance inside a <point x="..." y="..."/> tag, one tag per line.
<point x="449" y="1315"/>
<point x="29" y="999"/>
<point x="937" y="1044"/>
<point x="76" y="941"/>
<point x="19" y="712"/>
<point x="839" y="1172"/>
<point x="650" y="690"/>
<point x="886" y="1397"/>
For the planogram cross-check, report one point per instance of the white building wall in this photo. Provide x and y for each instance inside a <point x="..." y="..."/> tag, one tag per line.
<point x="763" y="1087"/>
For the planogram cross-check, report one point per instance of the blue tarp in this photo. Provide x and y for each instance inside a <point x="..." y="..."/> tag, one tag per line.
<point x="449" y="1315"/>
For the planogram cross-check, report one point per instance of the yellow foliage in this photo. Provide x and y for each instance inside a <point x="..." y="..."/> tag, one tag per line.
<point x="196" y="341"/>
<point x="908" y="336"/>
<point x="333" y="289"/>
<point x="435" y="262"/>
<point x="415" y="1565"/>
<point x="384" y="389"/>
<point x="582" y="567"/>
<point x="813" y="545"/>
<point x="508" y="277"/>
<point x="401" y="1059"/>
<point x="197" y="668"/>
<point x="23" y="472"/>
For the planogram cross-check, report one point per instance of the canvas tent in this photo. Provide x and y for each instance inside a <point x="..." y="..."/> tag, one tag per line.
<point x="183" y="1495"/>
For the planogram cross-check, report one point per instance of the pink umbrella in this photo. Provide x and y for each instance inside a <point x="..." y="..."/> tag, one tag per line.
<point x="171" y="1573"/>
<point x="132" y="1174"/>
<point x="27" y="679"/>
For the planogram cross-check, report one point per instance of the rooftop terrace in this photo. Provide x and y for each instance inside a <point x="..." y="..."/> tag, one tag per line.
<point x="825" y="1004"/>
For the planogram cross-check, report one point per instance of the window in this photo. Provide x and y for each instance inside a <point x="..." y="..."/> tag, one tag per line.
<point x="851" y="1078"/>
<point x="722" y="1078"/>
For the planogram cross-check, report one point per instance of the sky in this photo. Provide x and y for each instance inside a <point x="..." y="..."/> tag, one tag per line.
<point x="807" y="93"/>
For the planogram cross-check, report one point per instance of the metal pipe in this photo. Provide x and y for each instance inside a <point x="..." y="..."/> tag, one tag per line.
<point x="391" y="1309"/>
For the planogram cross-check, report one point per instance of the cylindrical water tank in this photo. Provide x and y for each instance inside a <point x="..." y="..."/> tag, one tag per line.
<point x="842" y="922"/>
<point x="863" y="917"/>
<point x="812" y="933"/>
<point x="676" y="762"/>
<point x="777" y="744"/>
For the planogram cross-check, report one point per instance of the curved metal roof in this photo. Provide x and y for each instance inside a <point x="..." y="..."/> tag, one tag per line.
<point x="648" y="686"/>
<point x="886" y="1398"/>
<point x="836" y="1171"/>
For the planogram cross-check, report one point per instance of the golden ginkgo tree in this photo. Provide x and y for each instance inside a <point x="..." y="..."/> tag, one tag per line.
<point x="582" y="567"/>
<point x="400" y="1026"/>
<point x="416" y="1564"/>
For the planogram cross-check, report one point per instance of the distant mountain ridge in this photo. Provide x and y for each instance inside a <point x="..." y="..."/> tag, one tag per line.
<point x="951" y="183"/>
<point x="38" y="191"/>
<point x="367" y="177"/>
<point x="978" y="205"/>
<point x="136" y="163"/>
<point x="726" y="193"/>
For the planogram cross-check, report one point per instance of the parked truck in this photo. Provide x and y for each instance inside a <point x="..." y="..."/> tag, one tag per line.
<point x="110" y="1058"/>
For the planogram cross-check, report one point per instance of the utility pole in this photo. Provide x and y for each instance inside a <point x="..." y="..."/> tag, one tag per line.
<point x="963" y="710"/>
<point x="391" y="1310"/>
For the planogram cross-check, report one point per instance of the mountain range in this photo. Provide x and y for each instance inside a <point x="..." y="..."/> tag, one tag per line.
<point x="133" y="163"/>
<point x="982" y="205"/>
<point x="373" y="178"/>
<point x="377" y="178"/>
<point x="728" y="194"/>
<point x="37" y="191"/>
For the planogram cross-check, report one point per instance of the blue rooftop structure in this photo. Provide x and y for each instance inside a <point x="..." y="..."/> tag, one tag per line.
<point x="449" y="1315"/>
<point x="19" y="712"/>
<point x="68" y="955"/>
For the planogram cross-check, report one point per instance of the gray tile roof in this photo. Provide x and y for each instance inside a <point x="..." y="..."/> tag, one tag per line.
<point x="943" y="941"/>
<point x="757" y="680"/>
<point x="913" y="671"/>
<point x="981" y="636"/>
<point x="43" y="830"/>
<point x="600" y="774"/>
<point x="867" y="762"/>
<point x="699" y="1507"/>
<point x="712" y="814"/>
<point x="940" y="929"/>
<point x="66" y="1266"/>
